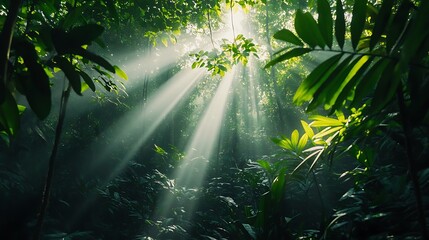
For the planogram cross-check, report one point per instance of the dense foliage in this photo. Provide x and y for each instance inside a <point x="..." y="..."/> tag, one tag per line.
<point x="352" y="164"/>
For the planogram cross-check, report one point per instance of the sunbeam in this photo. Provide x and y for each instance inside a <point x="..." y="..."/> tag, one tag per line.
<point x="200" y="148"/>
<point x="141" y="123"/>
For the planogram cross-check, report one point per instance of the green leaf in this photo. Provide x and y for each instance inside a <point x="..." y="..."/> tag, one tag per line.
<point x="34" y="84"/>
<point x="120" y="73"/>
<point x="398" y="24"/>
<point x="340" y="24"/>
<point x="288" y="36"/>
<point x="307" y="29"/>
<point x="369" y="80"/>
<point x="325" y="21"/>
<point x="288" y="55"/>
<point x="283" y="143"/>
<point x="265" y="165"/>
<point x="322" y="121"/>
<point x="416" y="36"/>
<point x="9" y="114"/>
<point x="329" y="88"/>
<point x="294" y="138"/>
<point x="381" y="22"/>
<point x="88" y="80"/>
<point x="352" y="80"/>
<point x="96" y="59"/>
<point x="387" y="86"/>
<point x="70" y="72"/>
<point x="308" y="130"/>
<point x="315" y="79"/>
<point x="84" y="35"/>
<point x="358" y="21"/>
<point x="302" y="142"/>
<point x="337" y="86"/>
<point x="278" y="187"/>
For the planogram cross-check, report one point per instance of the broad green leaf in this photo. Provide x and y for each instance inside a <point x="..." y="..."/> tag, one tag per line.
<point x="325" y="21"/>
<point x="35" y="85"/>
<point x="308" y="130"/>
<point x="302" y="142"/>
<point x="288" y="55"/>
<point x="315" y="79"/>
<point x="265" y="165"/>
<point x="88" y="80"/>
<point x="278" y="187"/>
<point x="120" y="73"/>
<point x="95" y="58"/>
<point x="358" y="21"/>
<point x="337" y="86"/>
<point x="283" y="143"/>
<point x="328" y="87"/>
<point x="322" y="121"/>
<point x="381" y="22"/>
<point x="307" y="29"/>
<point x="352" y="80"/>
<point x="340" y="24"/>
<point x="70" y="72"/>
<point x="398" y="24"/>
<point x="387" y="86"/>
<point x="294" y="138"/>
<point x="416" y="35"/>
<point x="288" y="36"/>
<point x="9" y="114"/>
<point x="368" y="81"/>
<point x="85" y="34"/>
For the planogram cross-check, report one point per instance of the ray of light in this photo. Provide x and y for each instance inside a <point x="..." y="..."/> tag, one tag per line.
<point x="200" y="148"/>
<point x="138" y="125"/>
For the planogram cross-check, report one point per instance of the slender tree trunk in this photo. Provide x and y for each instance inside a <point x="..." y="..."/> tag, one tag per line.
<point x="49" y="178"/>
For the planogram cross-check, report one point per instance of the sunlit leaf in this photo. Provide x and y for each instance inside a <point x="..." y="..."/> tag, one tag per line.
<point x="288" y="55"/>
<point x="294" y="138"/>
<point x="368" y="82"/>
<point x="352" y="80"/>
<point x="315" y="79"/>
<point x="325" y="21"/>
<point x="302" y="142"/>
<point x="358" y="21"/>
<point x="120" y="73"/>
<point x="88" y="80"/>
<point x="308" y="130"/>
<point x="307" y="29"/>
<point x="322" y="121"/>
<point x="329" y="85"/>
<point x="340" y="24"/>
<point x="265" y="165"/>
<point x="288" y="36"/>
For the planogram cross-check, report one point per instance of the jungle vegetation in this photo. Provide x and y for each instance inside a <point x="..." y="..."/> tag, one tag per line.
<point x="214" y="119"/>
